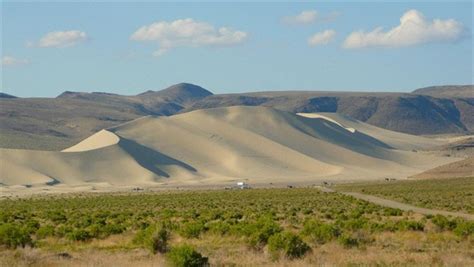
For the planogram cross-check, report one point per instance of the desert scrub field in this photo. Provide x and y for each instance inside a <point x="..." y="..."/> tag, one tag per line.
<point x="455" y="194"/>
<point x="300" y="226"/>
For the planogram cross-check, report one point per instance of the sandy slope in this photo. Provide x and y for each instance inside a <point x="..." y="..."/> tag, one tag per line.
<point x="393" y="139"/>
<point x="101" y="139"/>
<point x="222" y="145"/>
<point x="462" y="168"/>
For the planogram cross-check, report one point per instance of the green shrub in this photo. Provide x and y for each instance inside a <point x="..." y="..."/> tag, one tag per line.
<point x="348" y="241"/>
<point x="78" y="235"/>
<point x="355" y="239"/>
<point x="405" y="225"/>
<point x="32" y="226"/>
<point x="443" y="223"/>
<point x="159" y="240"/>
<point x="262" y="230"/>
<point x="13" y="236"/>
<point x="233" y="215"/>
<point x="219" y="227"/>
<point x="186" y="256"/>
<point x="320" y="232"/>
<point x="96" y="231"/>
<point x="143" y="234"/>
<point x="154" y="238"/>
<point x="192" y="229"/>
<point x="353" y="224"/>
<point x="57" y="216"/>
<point x="83" y="222"/>
<point x="113" y="229"/>
<point x="62" y="230"/>
<point x="290" y="244"/>
<point x="4" y="216"/>
<point x="45" y="231"/>
<point x="392" y="212"/>
<point x="464" y="229"/>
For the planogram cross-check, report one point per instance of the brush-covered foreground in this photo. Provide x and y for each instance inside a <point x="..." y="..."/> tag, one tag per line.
<point x="299" y="226"/>
<point x="453" y="194"/>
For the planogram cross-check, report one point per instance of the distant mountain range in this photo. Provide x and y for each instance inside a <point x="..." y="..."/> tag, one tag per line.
<point x="57" y="123"/>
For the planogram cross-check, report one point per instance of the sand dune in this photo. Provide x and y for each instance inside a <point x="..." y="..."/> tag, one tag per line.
<point x="101" y="139"/>
<point x="223" y="145"/>
<point x="321" y="116"/>
<point x="395" y="140"/>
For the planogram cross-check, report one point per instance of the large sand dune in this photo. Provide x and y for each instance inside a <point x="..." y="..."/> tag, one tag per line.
<point x="222" y="145"/>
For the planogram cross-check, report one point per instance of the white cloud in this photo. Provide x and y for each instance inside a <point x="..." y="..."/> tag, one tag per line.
<point x="305" y="17"/>
<point x="308" y="17"/>
<point x="62" y="39"/>
<point x="322" y="38"/>
<point x="187" y="32"/>
<point x="159" y="52"/>
<point x="11" y="61"/>
<point x="414" y="29"/>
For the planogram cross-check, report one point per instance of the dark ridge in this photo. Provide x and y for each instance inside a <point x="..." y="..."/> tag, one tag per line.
<point x="215" y="101"/>
<point x="67" y="94"/>
<point x="447" y="91"/>
<point x="105" y="93"/>
<point x="182" y="93"/>
<point x="3" y="95"/>
<point x="319" y="104"/>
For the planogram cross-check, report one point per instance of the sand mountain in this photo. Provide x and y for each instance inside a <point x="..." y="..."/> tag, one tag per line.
<point x="223" y="145"/>
<point x="57" y="123"/>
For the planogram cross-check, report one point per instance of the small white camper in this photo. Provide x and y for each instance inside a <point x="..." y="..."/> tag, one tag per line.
<point x="242" y="185"/>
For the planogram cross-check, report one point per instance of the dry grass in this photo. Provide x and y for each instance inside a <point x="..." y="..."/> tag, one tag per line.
<point x="39" y="258"/>
<point x="389" y="249"/>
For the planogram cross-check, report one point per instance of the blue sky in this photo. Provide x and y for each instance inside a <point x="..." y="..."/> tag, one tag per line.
<point x="48" y="48"/>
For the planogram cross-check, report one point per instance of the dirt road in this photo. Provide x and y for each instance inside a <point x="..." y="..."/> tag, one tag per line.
<point x="398" y="205"/>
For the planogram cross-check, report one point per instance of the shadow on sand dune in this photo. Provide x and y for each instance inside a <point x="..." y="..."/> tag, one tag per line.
<point x="150" y="159"/>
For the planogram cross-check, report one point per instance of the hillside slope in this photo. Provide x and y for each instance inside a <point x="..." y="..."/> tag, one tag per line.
<point x="459" y="91"/>
<point x="462" y="168"/>
<point x="223" y="145"/>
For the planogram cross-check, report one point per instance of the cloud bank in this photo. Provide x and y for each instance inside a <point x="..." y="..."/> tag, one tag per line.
<point x="322" y="38"/>
<point x="187" y="33"/>
<point x="62" y="39"/>
<point x="414" y="29"/>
